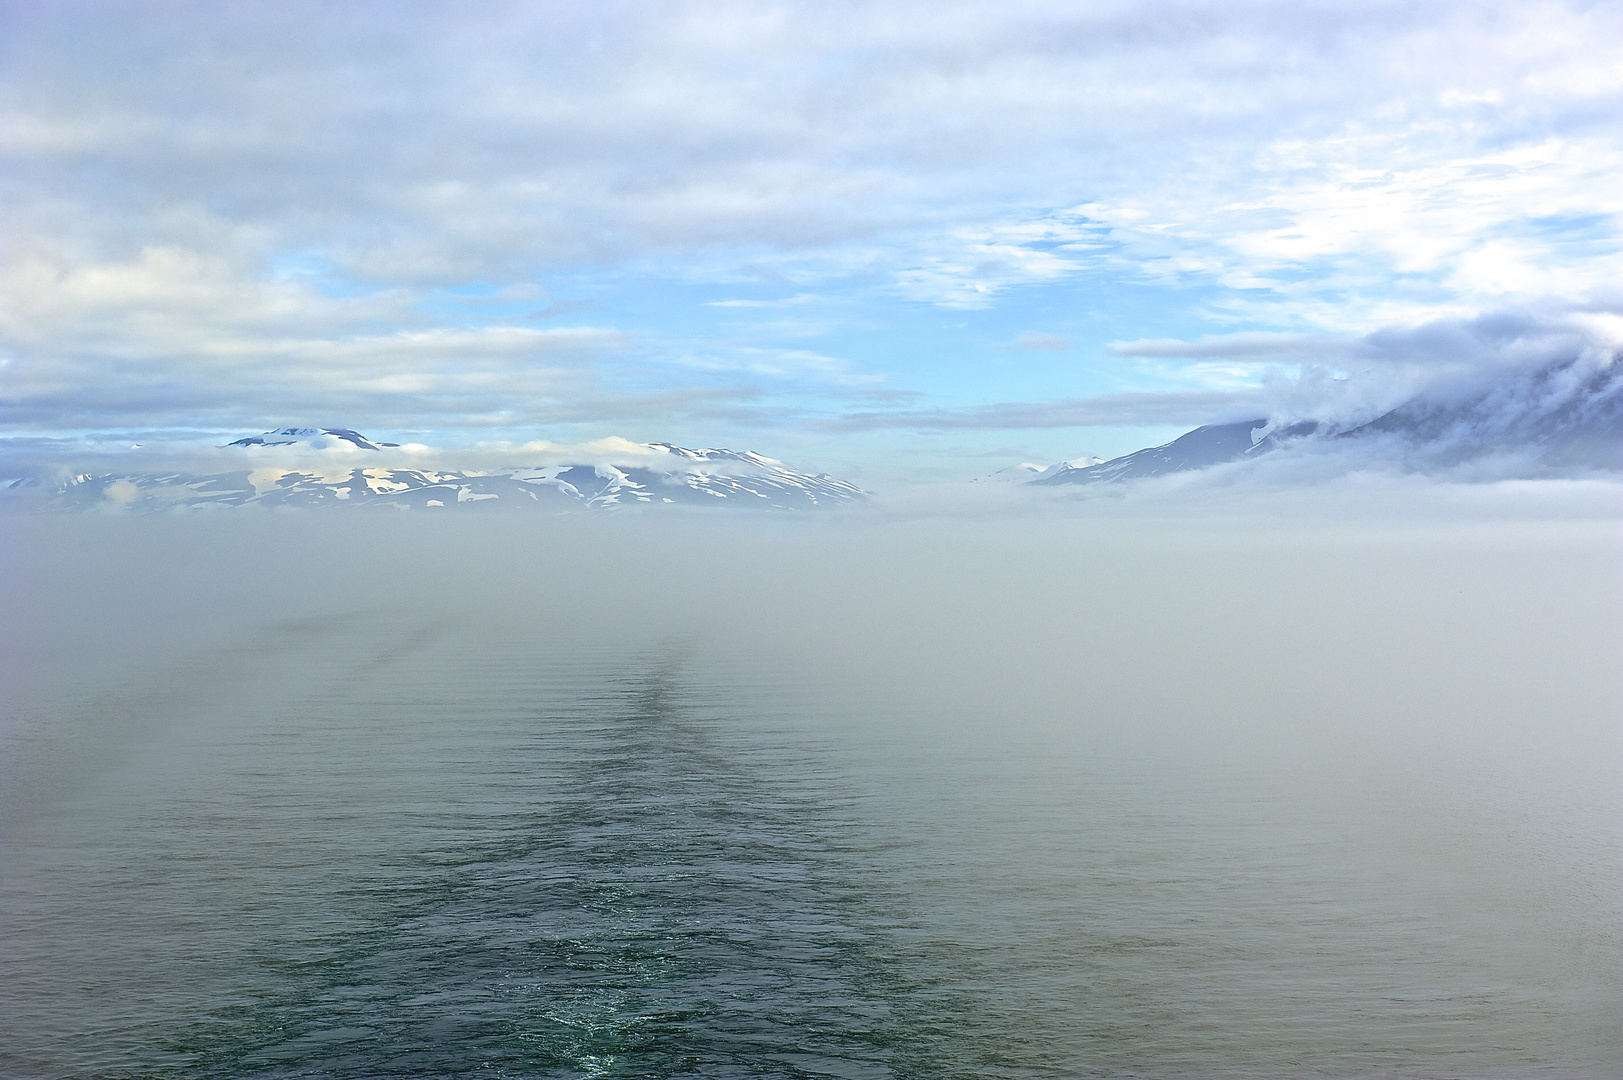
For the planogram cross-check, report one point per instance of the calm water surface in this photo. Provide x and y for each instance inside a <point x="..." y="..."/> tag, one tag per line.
<point x="423" y="851"/>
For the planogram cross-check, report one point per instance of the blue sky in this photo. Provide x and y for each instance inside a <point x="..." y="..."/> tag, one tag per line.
<point x="885" y="239"/>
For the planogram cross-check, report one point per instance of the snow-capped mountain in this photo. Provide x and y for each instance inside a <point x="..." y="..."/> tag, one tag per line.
<point x="1012" y="474"/>
<point x="1211" y="445"/>
<point x="1026" y="471"/>
<point x="1555" y="418"/>
<point x="315" y="438"/>
<point x="662" y="475"/>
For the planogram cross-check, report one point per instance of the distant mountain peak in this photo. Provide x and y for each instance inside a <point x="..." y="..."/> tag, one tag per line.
<point x="1556" y="418"/>
<point x="1209" y="445"/>
<point x="316" y="438"/>
<point x="1015" y="474"/>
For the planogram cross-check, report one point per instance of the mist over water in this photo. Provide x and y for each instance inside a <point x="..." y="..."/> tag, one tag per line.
<point x="1268" y="786"/>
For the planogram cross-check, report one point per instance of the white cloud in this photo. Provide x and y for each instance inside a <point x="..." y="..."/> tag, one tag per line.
<point x="1036" y="341"/>
<point x="1337" y="234"/>
<point x="798" y="298"/>
<point x="1248" y="346"/>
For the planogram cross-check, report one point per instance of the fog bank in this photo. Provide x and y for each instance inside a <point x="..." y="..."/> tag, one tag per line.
<point x="1389" y="607"/>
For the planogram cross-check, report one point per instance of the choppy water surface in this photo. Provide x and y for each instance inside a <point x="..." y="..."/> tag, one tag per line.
<point x="408" y="849"/>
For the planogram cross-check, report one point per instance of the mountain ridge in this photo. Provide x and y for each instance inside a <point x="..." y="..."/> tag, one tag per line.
<point x="1549" y="418"/>
<point x="707" y="477"/>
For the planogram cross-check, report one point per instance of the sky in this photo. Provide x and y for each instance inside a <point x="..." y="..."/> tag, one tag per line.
<point x="882" y="239"/>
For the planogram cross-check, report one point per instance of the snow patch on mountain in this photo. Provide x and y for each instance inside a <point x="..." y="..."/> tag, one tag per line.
<point x="314" y="438"/>
<point x="318" y="468"/>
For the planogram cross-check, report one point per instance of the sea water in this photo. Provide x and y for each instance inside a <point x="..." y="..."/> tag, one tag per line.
<point x="855" y="830"/>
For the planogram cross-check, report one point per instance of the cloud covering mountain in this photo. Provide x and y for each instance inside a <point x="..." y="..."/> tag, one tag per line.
<point x="1525" y="395"/>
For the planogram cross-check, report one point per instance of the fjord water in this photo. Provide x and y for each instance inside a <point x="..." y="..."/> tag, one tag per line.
<point x="335" y="797"/>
